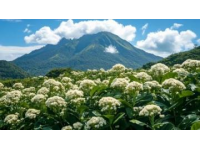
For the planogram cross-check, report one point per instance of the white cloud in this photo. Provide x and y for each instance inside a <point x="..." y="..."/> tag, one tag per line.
<point x="176" y="26"/>
<point x="26" y="30"/>
<point x="111" y="49"/>
<point x="198" y="41"/>
<point x="13" y="20"/>
<point x="144" y="28"/>
<point x="12" y="52"/>
<point x="164" y="43"/>
<point x="70" y="30"/>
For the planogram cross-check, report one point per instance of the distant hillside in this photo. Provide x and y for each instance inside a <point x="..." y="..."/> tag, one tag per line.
<point x="10" y="70"/>
<point x="178" y="58"/>
<point x="87" y="52"/>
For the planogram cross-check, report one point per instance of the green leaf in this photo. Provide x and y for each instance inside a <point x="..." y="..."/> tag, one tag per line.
<point x="164" y="126"/>
<point x="129" y="112"/>
<point x="118" y="118"/>
<point x="110" y="118"/>
<point x="47" y="128"/>
<point x="187" y="121"/>
<point x="1" y="123"/>
<point x="169" y="75"/>
<point x="95" y="89"/>
<point x="96" y="113"/>
<point x="125" y="103"/>
<point x="134" y="121"/>
<point x="186" y="93"/>
<point x="196" y="126"/>
<point x="82" y="109"/>
<point x="133" y="78"/>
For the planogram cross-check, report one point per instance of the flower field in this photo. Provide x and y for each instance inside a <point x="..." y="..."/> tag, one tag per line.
<point x="160" y="98"/>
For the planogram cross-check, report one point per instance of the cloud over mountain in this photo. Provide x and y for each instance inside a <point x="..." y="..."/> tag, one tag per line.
<point x="70" y="30"/>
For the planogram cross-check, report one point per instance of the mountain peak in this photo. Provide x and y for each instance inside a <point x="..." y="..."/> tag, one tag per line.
<point x="63" y="41"/>
<point x="91" y="51"/>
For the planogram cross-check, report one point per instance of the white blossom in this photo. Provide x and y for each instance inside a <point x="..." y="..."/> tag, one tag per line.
<point x="95" y="123"/>
<point x="151" y="85"/>
<point x="11" y="119"/>
<point x="78" y="101"/>
<point x="32" y="113"/>
<point x="173" y="85"/>
<point x="150" y="110"/>
<point x="51" y="83"/>
<point x="181" y="72"/>
<point x="143" y="76"/>
<point x="72" y="94"/>
<point x="77" y="125"/>
<point x="38" y="98"/>
<point x="191" y="64"/>
<point x="29" y="90"/>
<point x="159" y="69"/>
<point x="12" y="97"/>
<point x="118" y="68"/>
<point x="55" y="101"/>
<point x="87" y="84"/>
<point x="67" y="128"/>
<point x="133" y="87"/>
<point x="43" y="91"/>
<point x="109" y="104"/>
<point x="18" y="86"/>
<point x="119" y="83"/>
<point x="66" y="80"/>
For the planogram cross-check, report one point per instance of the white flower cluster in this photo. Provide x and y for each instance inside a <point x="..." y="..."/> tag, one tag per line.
<point x="159" y="69"/>
<point x="1" y="86"/>
<point x="66" y="80"/>
<point x="97" y="81"/>
<point x="109" y="104"/>
<point x="177" y="66"/>
<point x="181" y="72"/>
<point x="189" y="64"/>
<point x="29" y="90"/>
<point x="150" y="110"/>
<point x="12" y="97"/>
<point x="87" y="84"/>
<point x="11" y="119"/>
<point x="55" y="102"/>
<point x="51" y="83"/>
<point x="32" y="113"/>
<point x="43" y="91"/>
<point x="77" y="125"/>
<point x="105" y="82"/>
<point x="66" y="128"/>
<point x="173" y="85"/>
<point x="77" y="73"/>
<point x="133" y="87"/>
<point x="38" y="98"/>
<point x="119" y="83"/>
<point x="78" y="101"/>
<point x="95" y="123"/>
<point x="18" y="86"/>
<point x="151" y="85"/>
<point x="72" y="94"/>
<point x="118" y="68"/>
<point x="143" y="76"/>
<point x="31" y="95"/>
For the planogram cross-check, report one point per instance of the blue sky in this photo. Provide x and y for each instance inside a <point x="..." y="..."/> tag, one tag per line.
<point x="161" y="37"/>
